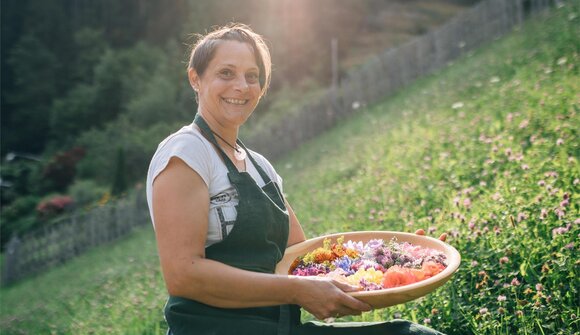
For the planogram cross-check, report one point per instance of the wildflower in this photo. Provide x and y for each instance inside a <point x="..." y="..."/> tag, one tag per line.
<point x="525" y="167"/>
<point x="562" y="60"/>
<point x="519" y="313"/>
<point x="508" y="152"/>
<point x="543" y="213"/>
<point x="539" y="287"/>
<point x="434" y="311"/>
<point x="559" y="231"/>
<point x="456" y="201"/>
<point x="515" y="282"/>
<point x="501" y="298"/>
<point x="474" y="263"/>
<point x="522" y="216"/>
<point x="501" y="310"/>
<point x="559" y="142"/>
<point x="397" y="315"/>
<point x="569" y="246"/>
<point x="524" y="124"/>
<point x="576" y="181"/>
<point x="496" y="196"/>
<point x="545" y="268"/>
<point x="426" y="321"/>
<point x="483" y="311"/>
<point x="504" y="260"/>
<point x="471" y="224"/>
<point x="560" y="212"/>
<point x="457" y="105"/>
<point x="467" y="203"/>
<point x="541" y="183"/>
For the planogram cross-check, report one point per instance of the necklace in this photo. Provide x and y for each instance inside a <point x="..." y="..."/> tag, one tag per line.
<point x="239" y="153"/>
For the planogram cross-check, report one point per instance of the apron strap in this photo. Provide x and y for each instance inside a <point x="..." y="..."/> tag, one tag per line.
<point x="261" y="171"/>
<point x="206" y="131"/>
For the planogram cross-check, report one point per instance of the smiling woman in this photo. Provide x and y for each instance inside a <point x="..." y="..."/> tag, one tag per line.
<point x="220" y="217"/>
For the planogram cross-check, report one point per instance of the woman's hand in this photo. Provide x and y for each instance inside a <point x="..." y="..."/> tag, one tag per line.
<point x="421" y="232"/>
<point x="325" y="297"/>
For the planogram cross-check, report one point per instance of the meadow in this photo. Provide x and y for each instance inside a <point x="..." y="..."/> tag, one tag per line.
<point x="486" y="150"/>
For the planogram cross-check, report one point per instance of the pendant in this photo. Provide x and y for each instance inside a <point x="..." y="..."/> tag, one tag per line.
<point x="240" y="154"/>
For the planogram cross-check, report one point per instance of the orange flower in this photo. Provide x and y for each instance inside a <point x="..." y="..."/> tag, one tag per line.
<point x="398" y="276"/>
<point x="432" y="268"/>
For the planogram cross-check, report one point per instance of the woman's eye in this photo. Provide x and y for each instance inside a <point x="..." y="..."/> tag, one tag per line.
<point x="226" y="73"/>
<point x="252" y="77"/>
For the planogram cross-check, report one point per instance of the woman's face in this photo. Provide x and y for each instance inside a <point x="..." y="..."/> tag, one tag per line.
<point x="229" y="89"/>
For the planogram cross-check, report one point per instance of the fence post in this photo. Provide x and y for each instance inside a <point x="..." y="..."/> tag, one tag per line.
<point x="10" y="266"/>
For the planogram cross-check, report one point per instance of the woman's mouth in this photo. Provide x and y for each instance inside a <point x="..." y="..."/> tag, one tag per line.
<point x="238" y="102"/>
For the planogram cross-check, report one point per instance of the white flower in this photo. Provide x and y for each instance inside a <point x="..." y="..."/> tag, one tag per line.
<point x="457" y="105"/>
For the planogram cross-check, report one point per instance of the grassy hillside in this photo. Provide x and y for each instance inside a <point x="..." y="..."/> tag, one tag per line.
<point x="486" y="150"/>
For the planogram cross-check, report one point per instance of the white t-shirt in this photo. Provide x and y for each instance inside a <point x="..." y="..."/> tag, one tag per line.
<point x="199" y="154"/>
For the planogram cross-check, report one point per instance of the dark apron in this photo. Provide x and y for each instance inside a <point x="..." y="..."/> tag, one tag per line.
<point x="257" y="243"/>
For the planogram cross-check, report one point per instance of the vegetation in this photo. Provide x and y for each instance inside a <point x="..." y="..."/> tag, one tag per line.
<point x="78" y="74"/>
<point x="486" y="150"/>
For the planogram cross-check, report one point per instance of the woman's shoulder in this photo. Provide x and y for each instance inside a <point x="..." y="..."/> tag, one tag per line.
<point x="187" y="136"/>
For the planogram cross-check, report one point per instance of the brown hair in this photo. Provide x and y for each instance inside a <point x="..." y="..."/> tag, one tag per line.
<point x="204" y="49"/>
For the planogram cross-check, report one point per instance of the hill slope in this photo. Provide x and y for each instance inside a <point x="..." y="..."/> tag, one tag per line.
<point x="486" y="150"/>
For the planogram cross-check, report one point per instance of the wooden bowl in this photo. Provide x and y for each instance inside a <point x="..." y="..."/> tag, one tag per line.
<point x="390" y="296"/>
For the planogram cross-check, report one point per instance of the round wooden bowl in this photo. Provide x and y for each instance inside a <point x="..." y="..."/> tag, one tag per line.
<point x="390" y="296"/>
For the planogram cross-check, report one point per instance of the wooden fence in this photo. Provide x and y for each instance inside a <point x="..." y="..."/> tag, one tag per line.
<point x="71" y="236"/>
<point x="391" y="70"/>
<point x="380" y="77"/>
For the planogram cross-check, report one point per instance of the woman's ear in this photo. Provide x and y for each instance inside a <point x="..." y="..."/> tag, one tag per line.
<point x="193" y="79"/>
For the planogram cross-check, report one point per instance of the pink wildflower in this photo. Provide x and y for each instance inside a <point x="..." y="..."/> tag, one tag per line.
<point x="515" y="282"/>
<point x="483" y="311"/>
<point x="543" y="213"/>
<point x="569" y="246"/>
<point x="426" y="321"/>
<point x="501" y="298"/>
<point x="467" y="203"/>
<point x="541" y="183"/>
<point x="559" y="142"/>
<point x="524" y="124"/>
<point x="504" y="260"/>
<point x="508" y="152"/>
<point x="525" y="167"/>
<point x="539" y="287"/>
<point x="522" y="216"/>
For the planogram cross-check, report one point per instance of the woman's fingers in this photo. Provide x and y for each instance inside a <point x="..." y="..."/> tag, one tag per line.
<point x="442" y="237"/>
<point x="326" y="298"/>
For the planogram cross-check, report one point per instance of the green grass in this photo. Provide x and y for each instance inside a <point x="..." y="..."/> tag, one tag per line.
<point x="493" y="172"/>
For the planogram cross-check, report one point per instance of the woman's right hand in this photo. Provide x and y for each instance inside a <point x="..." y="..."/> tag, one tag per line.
<point x="325" y="297"/>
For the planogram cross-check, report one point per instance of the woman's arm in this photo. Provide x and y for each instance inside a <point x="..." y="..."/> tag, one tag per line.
<point x="180" y="206"/>
<point x="296" y="233"/>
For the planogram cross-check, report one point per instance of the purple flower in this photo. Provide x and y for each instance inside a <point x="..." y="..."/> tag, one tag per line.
<point x="345" y="264"/>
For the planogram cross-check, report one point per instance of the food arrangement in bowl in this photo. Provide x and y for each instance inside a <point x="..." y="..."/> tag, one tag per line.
<point x="388" y="267"/>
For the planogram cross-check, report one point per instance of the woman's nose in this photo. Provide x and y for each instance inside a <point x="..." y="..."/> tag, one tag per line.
<point x="241" y="84"/>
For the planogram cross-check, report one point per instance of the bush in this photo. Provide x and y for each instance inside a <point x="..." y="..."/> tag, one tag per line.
<point x="86" y="192"/>
<point x="18" y="217"/>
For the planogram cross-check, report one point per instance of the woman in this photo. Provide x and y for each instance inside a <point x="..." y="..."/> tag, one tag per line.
<point x="220" y="219"/>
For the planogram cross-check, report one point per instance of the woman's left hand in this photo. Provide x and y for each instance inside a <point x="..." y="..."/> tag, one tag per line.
<point x="442" y="237"/>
